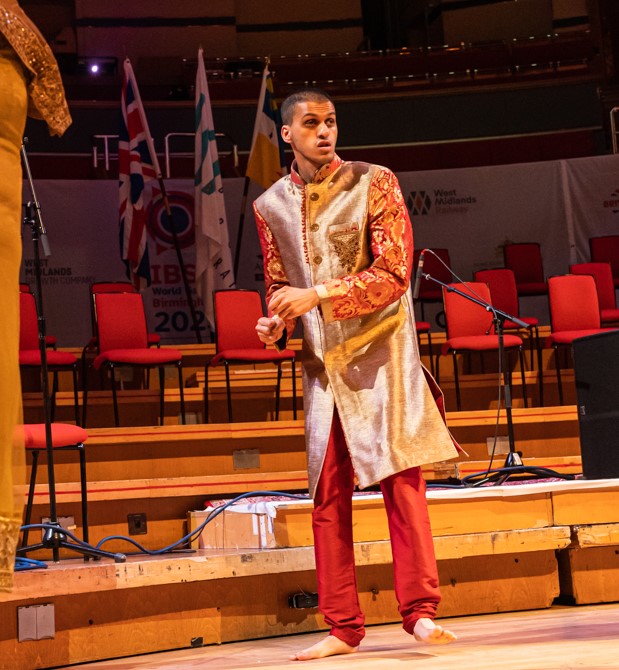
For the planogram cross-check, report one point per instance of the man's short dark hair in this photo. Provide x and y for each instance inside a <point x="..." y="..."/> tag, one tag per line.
<point x="302" y="95"/>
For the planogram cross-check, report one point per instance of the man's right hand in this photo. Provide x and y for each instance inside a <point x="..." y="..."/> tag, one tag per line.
<point x="270" y="328"/>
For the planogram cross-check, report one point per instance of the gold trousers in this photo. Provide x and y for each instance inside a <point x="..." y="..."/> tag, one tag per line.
<point x="12" y="470"/>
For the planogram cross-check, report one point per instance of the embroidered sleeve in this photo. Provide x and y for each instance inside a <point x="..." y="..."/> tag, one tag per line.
<point x="46" y="98"/>
<point x="391" y="244"/>
<point x="274" y="274"/>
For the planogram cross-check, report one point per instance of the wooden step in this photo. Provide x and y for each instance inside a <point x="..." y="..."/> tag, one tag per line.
<point x="253" y="389"/>
<point x="155" y="452"/>
<point x="253" y="398"/>
<point x="496" y="548"/>
<point x="165" y="471"/>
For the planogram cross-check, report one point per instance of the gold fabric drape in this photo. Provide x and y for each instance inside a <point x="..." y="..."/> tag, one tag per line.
<point x="30" y="84"/>
<point x="12" y="121"/>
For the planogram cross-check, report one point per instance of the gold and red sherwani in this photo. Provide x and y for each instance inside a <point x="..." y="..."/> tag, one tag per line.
<point x="347" y="234"/>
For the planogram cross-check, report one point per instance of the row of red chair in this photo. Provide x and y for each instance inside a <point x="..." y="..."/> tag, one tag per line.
<point x="525" y="260"/>
<point x="120" y="339"/>
<point x="524" y="263"/>
<point x="574" y="313"/>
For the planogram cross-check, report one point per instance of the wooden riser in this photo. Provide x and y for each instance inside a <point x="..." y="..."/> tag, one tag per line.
<point x="104" y="609"/>
<point x="166" y="503"/>
<point x="590" y="575"/>
<point x="123" y="622"/>
<point x="253" y="399"/>
<point x="167" y="471"/>
<point x="254" y="389"/>
<point x="279" y="446"/>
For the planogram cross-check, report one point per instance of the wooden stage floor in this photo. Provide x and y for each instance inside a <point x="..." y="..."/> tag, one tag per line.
<point x="552" y="639"/>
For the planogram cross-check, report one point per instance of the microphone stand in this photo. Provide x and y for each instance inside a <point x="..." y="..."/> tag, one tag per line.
<point x="54" y="535"/>
<point x="513" y="463"/>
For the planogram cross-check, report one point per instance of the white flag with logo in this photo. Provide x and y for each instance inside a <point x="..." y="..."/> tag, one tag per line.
<point x="214" y="268"/>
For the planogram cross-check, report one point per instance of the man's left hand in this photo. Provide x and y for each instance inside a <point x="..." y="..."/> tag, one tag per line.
<point x="289" y="302"/>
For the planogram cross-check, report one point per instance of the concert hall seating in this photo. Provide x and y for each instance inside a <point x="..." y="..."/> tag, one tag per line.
<point x="30" y="354"/>
<point x="122" y="341"/>
<point x="470" y="328"/>
<point x="64" y="437"/>
<point x="502" y="285"/>
<point x="525" y="260"/>
<point x="437" y="264"/>
<point x="605" y="249"/>
<point x="602" y="273"/>
<point x="236" y="314"/>
<point x="574" y="313"/>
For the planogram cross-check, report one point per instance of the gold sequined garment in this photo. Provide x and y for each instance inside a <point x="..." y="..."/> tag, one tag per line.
<point x="348" y="235"/>
<point x="45" y="90"/>
<point x="13" y="106"/>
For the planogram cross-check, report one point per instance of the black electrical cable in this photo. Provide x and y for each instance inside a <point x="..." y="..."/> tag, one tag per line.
<point x="183" y="541"/>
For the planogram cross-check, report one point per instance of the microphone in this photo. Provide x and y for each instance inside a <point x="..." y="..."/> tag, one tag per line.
<point x="418" y="275"/>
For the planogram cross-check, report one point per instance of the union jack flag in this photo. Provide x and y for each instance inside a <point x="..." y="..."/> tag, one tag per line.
<point x="137" y="165"/>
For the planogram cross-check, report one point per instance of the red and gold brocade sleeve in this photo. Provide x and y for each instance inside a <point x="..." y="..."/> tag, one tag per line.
<point x="391" y="246"/>
<point x="274" y="274"/>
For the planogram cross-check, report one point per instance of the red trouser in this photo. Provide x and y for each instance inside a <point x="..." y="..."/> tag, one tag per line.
<point x="414" y="564"/>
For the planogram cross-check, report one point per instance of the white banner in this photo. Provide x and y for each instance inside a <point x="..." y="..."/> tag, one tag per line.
<point x="81" y="218"/>
<point x="472" y="212"/>
<point x="593" y="188"/>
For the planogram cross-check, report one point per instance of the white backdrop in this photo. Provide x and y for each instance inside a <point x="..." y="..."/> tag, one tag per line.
<point x="472" y="212"/>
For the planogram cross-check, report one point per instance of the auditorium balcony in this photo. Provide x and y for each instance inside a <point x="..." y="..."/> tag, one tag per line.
<point x="445" y="106"/>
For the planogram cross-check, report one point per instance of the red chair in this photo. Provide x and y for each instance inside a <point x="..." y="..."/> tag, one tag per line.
<point x="602" y="273"/>
<point x="502" y="285"/>
<point x="154" y="340"/>
<point x="605" y="249"/>
<point x="525" y="260"/>
<point x="470" y="328"/>
<point x="236" y="341"/>
<point x="574" y="313"/>
<point x="428" y="290"/>
<point x="50" y="340"/>
<point x="64" y="438"/>
<point x="30" y="354"/>
<point x="122" y="341"/>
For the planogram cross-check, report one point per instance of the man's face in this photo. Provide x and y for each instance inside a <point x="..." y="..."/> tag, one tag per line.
<point x="312" y="134"/>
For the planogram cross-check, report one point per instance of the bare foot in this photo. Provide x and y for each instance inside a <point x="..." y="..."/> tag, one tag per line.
<point x="427" y="631"/>
<point x="330" y="646"/>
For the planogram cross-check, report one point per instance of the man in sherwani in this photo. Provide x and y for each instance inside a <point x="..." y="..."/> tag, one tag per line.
<point x="337" y="245"/>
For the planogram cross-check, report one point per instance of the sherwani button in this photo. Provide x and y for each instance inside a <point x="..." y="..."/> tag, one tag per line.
<point x="317" y="260"/>
<point x="314" y="196"/>
<point x="314" y="227"/>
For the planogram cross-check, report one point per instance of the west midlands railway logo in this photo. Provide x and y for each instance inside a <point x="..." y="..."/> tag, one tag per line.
<point x="439" y="201"/>
<point x="419" y="203"/>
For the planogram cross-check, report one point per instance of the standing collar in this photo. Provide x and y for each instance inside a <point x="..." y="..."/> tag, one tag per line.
<point x="321" y="173"/>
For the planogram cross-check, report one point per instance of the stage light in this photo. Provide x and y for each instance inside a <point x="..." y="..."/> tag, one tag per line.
<point x="97" y="66"/>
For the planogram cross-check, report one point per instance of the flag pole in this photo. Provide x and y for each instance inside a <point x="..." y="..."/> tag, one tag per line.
<point x="179" y="256"/>
<point x="241" y="230"/>
<point x="214" y="263"/>
<point x="239" y="237"/>
<point x="168" y="209"/>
